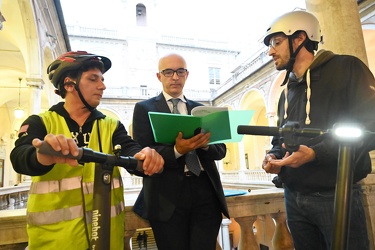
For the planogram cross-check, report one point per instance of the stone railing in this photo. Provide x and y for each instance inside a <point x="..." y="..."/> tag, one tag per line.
<point x="247" y="176"/>
<point x="259" y="216"/>
<point x="14" y="197"/>
<point x="253" y="212"/>
<point x="13" y="233"/>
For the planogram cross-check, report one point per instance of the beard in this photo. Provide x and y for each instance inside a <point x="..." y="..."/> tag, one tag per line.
<point x="282" y="64"/>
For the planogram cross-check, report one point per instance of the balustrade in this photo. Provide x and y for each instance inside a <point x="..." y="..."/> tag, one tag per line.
<point x="254" y="212"/>
<point x="260" y="214"/>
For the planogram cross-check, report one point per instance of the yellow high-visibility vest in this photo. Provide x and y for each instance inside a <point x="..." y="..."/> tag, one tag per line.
<point x="60" y="204"/>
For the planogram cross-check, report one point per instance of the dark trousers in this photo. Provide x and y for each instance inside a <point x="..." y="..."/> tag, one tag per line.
<point x="310" y="220"/>
<point x="196" y="221"/>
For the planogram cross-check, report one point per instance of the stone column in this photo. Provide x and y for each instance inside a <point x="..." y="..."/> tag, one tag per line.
<point x="341" y="26"/>
<point x="225" y="240"/>
<point x="247" y="239"/>
<point x="242" y="161"/>
<point x="35" y="99"/>
<point x="127" y="239"/>
<point x="282" y="240"/>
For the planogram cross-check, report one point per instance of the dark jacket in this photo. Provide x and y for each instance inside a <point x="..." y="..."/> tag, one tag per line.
<point x="342" y="91"/>
<point x="160" y="192"/>
<point x="23" y="156"/>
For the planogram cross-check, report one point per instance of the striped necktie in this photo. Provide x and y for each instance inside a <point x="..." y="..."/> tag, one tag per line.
<point x="175" y="101"/>
<point x="191" y="158"/>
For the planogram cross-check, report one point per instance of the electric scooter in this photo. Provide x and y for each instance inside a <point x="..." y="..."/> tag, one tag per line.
<point x="343" y="194"/>
<point x="101" y="214"/>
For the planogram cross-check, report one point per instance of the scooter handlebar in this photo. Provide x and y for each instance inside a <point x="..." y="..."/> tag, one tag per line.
<point x="88" y="155"/>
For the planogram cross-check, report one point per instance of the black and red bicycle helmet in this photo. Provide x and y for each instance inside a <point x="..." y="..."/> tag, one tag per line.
<point x="72" y="60"/>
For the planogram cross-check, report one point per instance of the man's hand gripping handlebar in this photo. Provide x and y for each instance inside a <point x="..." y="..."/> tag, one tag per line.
<point x="88" y="155"/>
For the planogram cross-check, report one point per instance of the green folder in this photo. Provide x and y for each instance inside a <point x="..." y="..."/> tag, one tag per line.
<point x="236" y="118"/>
<point x="222" y="125"/>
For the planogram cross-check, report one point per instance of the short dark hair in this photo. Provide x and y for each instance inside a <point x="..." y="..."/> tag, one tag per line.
<point x="76" y="74"/>
<point x="309" y="45"/>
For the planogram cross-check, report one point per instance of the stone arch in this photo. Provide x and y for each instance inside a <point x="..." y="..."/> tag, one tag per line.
<point x="254" y="147"/>
<point x="49" y="97"/>
<point x="115" y="115"/>
<point x="110" y="113"/>
<point x="31" y="42"/>
<point x="17" y="34"/>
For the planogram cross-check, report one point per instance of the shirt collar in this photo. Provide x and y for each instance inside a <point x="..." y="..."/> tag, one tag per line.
<point x="168" y="97"/>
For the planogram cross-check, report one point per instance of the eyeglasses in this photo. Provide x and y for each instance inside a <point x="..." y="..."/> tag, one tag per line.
<point x="276" y="41"/>
<point x="181" y="72"/>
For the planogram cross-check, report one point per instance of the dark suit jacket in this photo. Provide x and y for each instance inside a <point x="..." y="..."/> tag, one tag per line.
<point x="160" y="192"/>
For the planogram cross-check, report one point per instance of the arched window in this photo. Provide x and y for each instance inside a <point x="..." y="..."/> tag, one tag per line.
<point x="141" y="15"/>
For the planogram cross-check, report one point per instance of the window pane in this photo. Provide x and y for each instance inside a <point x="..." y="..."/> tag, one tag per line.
<point x="143" y="89"/>
<point x="214" y="75"/>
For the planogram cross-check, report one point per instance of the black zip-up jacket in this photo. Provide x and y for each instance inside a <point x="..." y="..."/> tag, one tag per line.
<point x="23" y="156"/>
<point x="342" y="90"/>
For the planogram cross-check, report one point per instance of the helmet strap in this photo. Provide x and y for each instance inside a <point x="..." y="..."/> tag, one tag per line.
<point x="76" y="86"/>
<point x="292" y="59"/>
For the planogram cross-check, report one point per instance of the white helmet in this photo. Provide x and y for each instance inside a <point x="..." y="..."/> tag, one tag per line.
<point x="294" y="21"/>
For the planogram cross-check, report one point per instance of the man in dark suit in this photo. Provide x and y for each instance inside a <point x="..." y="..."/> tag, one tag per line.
<point x="183" y="208"/>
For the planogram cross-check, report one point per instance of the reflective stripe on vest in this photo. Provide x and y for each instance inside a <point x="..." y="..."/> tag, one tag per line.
<point x="115" y="210"/>
<point x="54" y="216"/>
<point x="66" y="214"/>
<point x="55" y="186"/>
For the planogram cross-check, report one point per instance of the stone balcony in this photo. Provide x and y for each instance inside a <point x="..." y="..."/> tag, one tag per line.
<point x="259" y="213"/>
<point x="253" y="212"/>
<point x="257" y="219"/>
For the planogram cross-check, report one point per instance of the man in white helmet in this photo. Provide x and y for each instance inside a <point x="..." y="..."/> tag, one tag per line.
<point x="321" y="89"/>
